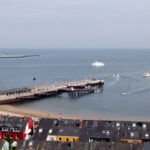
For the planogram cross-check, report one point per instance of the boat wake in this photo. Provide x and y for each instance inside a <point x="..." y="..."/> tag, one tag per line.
<point x="137" y="91"/>
<point x="115" y="81"/>
<point x="131" y="78"/>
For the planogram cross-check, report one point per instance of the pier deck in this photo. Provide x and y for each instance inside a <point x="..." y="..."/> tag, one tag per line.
<point x="43" y="91"/>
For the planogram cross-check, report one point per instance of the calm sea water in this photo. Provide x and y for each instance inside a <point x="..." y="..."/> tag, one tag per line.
<point x="56" y="66"/>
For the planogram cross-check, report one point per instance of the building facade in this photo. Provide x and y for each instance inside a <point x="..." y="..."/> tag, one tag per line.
<point x="16" y="128"/>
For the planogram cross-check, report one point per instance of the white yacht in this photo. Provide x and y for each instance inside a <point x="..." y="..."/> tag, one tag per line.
<point x="124" y="93"/>
<point x="146" y="74"/>
<point x="97" y="64"/>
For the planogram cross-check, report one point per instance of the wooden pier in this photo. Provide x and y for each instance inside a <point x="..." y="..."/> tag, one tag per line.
<point x="73" y="88"/>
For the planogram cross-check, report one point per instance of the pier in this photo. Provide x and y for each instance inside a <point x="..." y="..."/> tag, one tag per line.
<point x="74" y="88"/>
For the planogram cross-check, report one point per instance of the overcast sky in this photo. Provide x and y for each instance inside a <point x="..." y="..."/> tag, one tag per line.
<point x="74" y="23"/>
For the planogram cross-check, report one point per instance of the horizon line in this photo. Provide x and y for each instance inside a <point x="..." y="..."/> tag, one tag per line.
<point x="75" y="48"/>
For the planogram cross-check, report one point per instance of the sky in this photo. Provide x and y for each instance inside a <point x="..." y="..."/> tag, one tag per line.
<point x="75" y="24"/>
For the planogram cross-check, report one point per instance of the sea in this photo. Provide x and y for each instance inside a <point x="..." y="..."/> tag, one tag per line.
<point x="63" y="65"/>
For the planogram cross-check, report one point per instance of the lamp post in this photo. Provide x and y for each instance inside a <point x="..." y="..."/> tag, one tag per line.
<point x="34" y="79"/>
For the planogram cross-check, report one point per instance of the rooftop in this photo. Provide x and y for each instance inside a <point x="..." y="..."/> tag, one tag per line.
<point x="112" y="130"/>
<point x="8" y="123"/>
<point x="38" y="145"/>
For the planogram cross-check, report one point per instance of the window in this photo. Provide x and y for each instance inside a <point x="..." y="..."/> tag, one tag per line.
<point x="17" y="136"/>
<point x="73" y="140"/>
<point x="11" y="129"/>
<point x="16" y="129"/>
<point x="4" y="129"/>
<point x="59" y="139"/>
<point x="95" y="123"/>
<point x="67" y="139"/>
<point x="11" y="136"/>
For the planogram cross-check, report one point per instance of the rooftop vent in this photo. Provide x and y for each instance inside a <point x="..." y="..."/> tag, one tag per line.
<point x="40" y="130"/>
<point x="107" y="132"/>
<point x="50" y="131"/>
<point x="117" y="124"/>
<point x="21" y="120"/>
<point x="61" y="130"/>
<point x="56" y="123"/>
<point x="144" y="125"/>
<point x="103" y="131"/>
<point x="30" y="143"/>
<point x="133" y="125"/>
<point x="146" y="135"/>
<point x="132" y="134"/>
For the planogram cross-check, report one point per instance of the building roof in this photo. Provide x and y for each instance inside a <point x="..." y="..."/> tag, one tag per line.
<point x="43" y="129"/>
<point x="116" y="130"/>
<point x="13" y="122"/>
<point x="38" y="145"/>
<point x="113" y="130"/>
<point x="64" y="127"/>
<point x="147" y="146"/>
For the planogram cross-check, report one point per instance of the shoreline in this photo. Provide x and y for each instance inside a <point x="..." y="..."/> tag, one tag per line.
<point x="23" y="112"/>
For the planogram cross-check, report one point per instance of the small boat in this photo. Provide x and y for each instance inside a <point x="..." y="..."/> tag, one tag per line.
<point x="116" y="75"/>
<point x="97" y="64"/>
<point x="146" y="74"/>
<point x="124" y="93"/>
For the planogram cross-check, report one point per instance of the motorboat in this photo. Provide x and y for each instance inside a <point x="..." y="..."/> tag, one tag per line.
<point x="97" y="64"/>
<point x="146" y="74"/>
<point x="124" y="93"/>
<point x="116" y="75"/>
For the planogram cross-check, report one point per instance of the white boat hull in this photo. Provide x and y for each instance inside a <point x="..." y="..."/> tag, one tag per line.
<point x="97" y="64"/>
